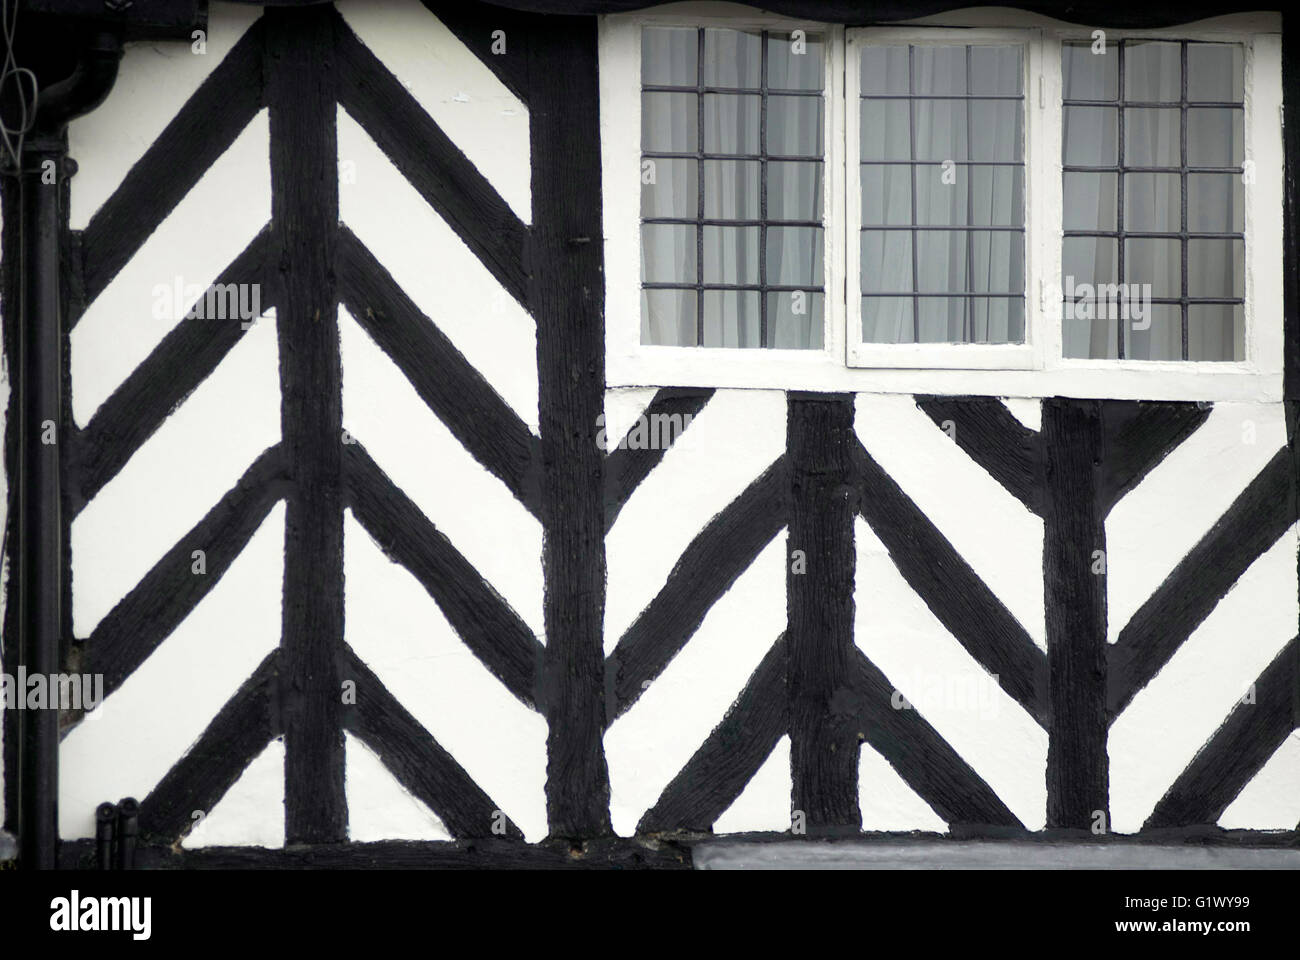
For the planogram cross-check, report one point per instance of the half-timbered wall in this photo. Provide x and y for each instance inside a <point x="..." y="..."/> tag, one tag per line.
<point x="361" y="571"/>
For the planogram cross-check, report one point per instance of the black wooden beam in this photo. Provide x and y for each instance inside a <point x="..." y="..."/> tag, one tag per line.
<point x="728" y="759"/>
<point x="1137" y="436"/>
<point x="986" y="430"/>
<point x="707" y="568"/>
<point x="433" y="164"/>
<point x="1239" y="748"/>
<point x="955" y="594"/>
<point x="189" y="352"/>
<point x="626" y="467"/>
<point x="481" y="618"/>
<point x="1074" y="531"/>
<point x="418" y="761"/>
<point x="462" y="398"/>
<point x="170" y="591"/>
<point x="189" y="145"/>
<point x="234" y="738"/>
<point x="566" y="292"/>
<point x="924" y="760"/>
<point x="300" y="75"/>
<point x="1261" y="513"/>
<point x="819" y="591"/>
<point x="476" y="25"/>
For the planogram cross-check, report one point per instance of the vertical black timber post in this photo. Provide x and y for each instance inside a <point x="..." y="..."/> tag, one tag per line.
<point x="824" y="744"/>
<point x="304" y="205"/>
<point x="1290" y="207"/>
<point x="1074" y="545"/>
<point x="566" y="296"/>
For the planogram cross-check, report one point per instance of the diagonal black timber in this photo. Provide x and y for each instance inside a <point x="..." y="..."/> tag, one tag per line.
<point x="234" y="738"/>
<point x="475" y="25"/>
<point x="1239" y="748"/>
<point x="991" y="436"/>
<point x="176" y="367"/>
<point x="921" y="757"/>
<point x="418" y="761"/>
<point x="146" y="616"/>
<point x="820" y="565"/>
<point x="190" y="144"/>
<point x="1260" y="514"/>
<point x="1137" y="436"/>
<point x="1074" y="531"/>
<point x="955" y="594"/>
<point x="464" y="401"/>
<point x="707" y="568"/>
<point x="717" y="772"/>
<point x="304" y="204"/>
<point x="632" y="459"/>
<point x="478" y="614"/>
<point x="566" y="293"/>
<point x="433" y="164"/>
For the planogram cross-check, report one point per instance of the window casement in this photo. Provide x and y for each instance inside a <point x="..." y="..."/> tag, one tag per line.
<point x="1025" y="209"/>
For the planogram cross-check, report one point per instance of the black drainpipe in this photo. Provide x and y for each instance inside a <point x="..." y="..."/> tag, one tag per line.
<point x="39" y="405"/>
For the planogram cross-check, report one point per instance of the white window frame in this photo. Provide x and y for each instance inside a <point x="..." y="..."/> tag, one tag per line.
<point x="1034" y="369"/>
<point x="1037" y="155"/>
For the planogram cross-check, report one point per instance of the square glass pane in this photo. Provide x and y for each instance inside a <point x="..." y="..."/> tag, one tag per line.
<point x="1215" y="72"/>
<point x="794" y="256"/>
<point x="941" y="128"/>
<point x="941" y="194"/>
<point x="1153" y="203"/>
<point x="998" y="195"/>
<point x="669" y="56"/>
<point x="1090" y="201"/>
<point x="997" y="261"/>
<point x="669" y="188"/>
<point x="1088" y="261"/>
<point x="887" y="193"/>
<point x="795" y="61"/>
<point x="1087" y="336"/>
<point x="794" y="190"/>
<point x="1090" y="136"/>
<point x="732" y="318"/>
<point x="1152" y="71"/>
<point x="731" y="189"/>
<point x="885" y="130"/>
<point x="1216" y="268"/>
<point x="883" y="70"/>
<point x="887" y="320"/>
<point x="670" y="122"/>
<point x="794" y="126"/>
<point x="1153" y="262"/>
<point x="668" y="318"/>
<point x="731" y="255"/>
<point x="996" y="130"/>
<point x="668" y="253"/>
<point x="1216" y="203"/>
<point x="1152" y="137"/>
<point x="1090" y="75"/>
<point x="886" y="261"/>
<point x="941" y="261"/>
<point x="794" y="318"/>
<point x="996" y="71"/>
<point x="997" y="320"/>
<point x="733" y="58"/>
<point x="943" y="320"/>
<point x="1152" y="331"/>
<point x="1215" y="137"/>
<point x="1216" y="331"/>
<point x="939" y="71"/>
<point x="731" y="123"/>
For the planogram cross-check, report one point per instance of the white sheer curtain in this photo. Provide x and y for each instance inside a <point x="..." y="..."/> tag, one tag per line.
<point x="1152" y="200"/>
<point x="955" y="139"/>
<point x="745" y="199"/>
